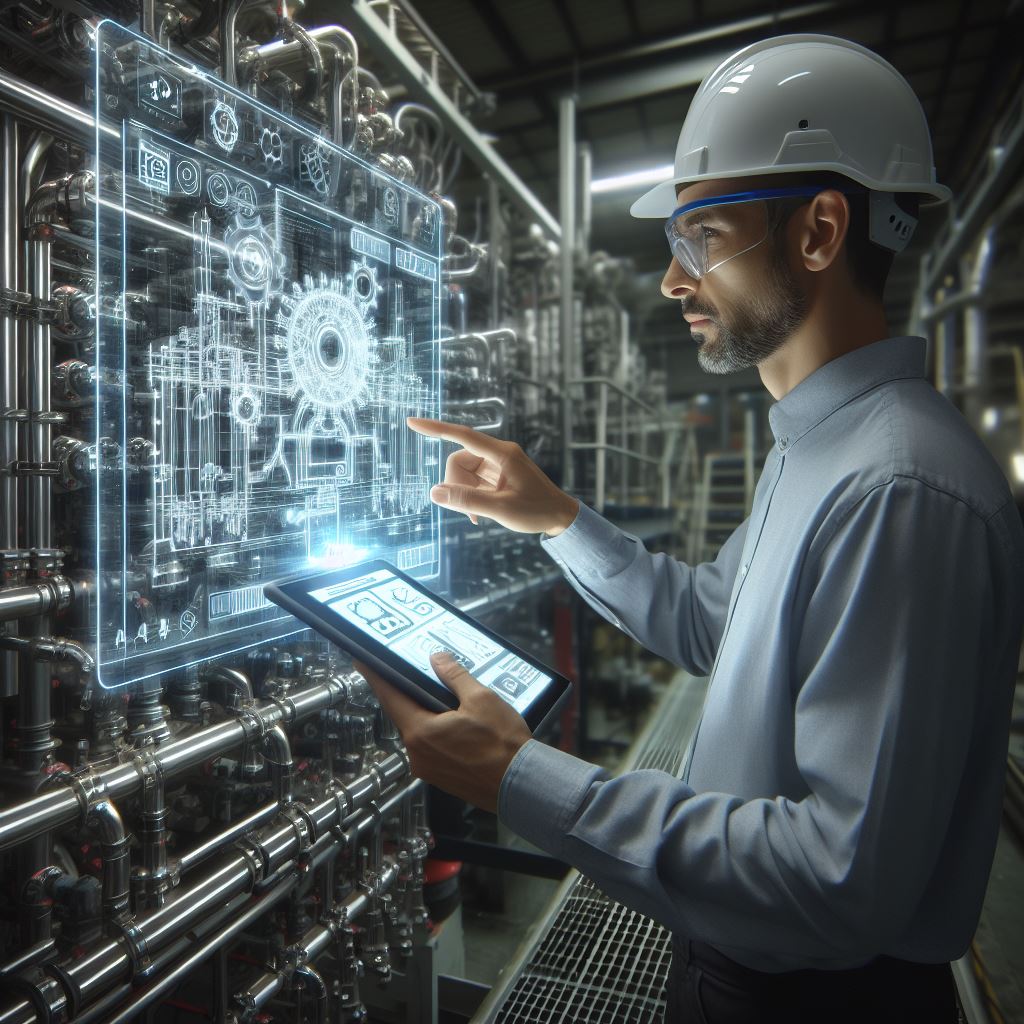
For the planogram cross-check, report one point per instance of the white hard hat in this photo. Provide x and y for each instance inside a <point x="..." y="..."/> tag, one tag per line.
<point x="802" y="103"/>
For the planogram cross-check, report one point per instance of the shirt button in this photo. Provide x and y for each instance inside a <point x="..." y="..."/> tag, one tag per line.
<point x="783" y="441"/>
<point x="743" y="570"/>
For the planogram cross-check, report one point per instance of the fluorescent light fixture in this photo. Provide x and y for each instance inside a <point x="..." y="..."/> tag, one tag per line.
<point x="990" y="418"/>
<point x="650" y="176"/>
<point x="1018" y="466"/>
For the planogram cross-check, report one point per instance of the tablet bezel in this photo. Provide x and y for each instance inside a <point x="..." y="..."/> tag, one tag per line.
<point x="294" y="594"/>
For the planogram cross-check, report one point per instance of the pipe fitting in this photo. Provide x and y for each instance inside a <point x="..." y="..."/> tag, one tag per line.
<point x="52" y="648"/>
<point x="106" y="822"/>
<point x="311" y="978"/>
<point x="278" y="752"/>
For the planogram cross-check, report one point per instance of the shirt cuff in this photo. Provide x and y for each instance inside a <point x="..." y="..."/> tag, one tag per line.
<point x="542" y="793"/>
<point x="591" y="545"/>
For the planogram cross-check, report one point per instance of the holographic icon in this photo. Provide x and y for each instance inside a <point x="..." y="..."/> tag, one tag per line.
<point x="218" y="188"/>
<point x="154" y="167"/>
<point x="389" y="206"/>
<point x="224" y="123"/>
<point x="254" y="264"/>
<point x="245" y="200"/>
<point x="272" y="147"/>
<point x="187" y="177"/>
<point x="315" y="167"/>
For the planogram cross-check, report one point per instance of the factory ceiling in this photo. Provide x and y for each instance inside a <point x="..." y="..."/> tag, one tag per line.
<point x="635" y="64"/>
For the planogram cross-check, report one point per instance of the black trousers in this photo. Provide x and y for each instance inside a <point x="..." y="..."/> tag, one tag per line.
<point x="705" y="987"/>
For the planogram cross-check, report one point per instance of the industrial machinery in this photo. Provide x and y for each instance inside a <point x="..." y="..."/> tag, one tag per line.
<point x="231" y="268"/>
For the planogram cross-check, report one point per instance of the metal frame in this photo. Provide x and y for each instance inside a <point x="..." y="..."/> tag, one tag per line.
<point x="424" y="87"/>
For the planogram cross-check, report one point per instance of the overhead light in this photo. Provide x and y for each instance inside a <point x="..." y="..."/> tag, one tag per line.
<point x="650" y="176"/>
<point x="1018" y="466"/>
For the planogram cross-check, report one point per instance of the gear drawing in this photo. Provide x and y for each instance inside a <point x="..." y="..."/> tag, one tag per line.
<point x="328" y="342"/>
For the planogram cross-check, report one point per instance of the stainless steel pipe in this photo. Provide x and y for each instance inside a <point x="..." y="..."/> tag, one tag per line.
<point x="9" y="375"/>
<point x="49" y="810"/>
<point x="37" y="107"/>
<point x="260" y="859"/>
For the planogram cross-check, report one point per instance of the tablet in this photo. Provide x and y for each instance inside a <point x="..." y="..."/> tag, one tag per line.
<point x="393" y="623"/>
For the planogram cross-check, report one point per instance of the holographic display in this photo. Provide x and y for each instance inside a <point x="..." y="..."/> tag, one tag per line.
<point x="270" y="308"/>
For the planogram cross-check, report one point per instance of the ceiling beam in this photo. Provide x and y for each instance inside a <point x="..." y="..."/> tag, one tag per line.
<point x="629" y="6"/>
<point x="1004" y="68"/>
<point x="949" y="64"/>
<point x="501" y="31"/>
<point x="657" y="45"/>
<point x="607" y="93"/>
<point x="565" y="17"/>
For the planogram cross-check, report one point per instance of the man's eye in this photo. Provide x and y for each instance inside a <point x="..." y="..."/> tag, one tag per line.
<point x="708" y="232"/>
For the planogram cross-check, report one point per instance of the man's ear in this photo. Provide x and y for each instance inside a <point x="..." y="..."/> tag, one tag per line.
<point x="822" y="231"/>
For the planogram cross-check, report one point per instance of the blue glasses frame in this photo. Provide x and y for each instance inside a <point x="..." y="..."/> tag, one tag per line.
<point x="805" y="191"/>
<point x="693" y="259"/>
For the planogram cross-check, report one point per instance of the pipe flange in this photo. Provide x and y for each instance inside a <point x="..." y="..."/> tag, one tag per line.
<point x="380" y="779"/>
<point x="302" y="824"/>
<point x="252" y="722"/>
<point x="137" y="946"/>
<point x="342" y="800"/>
<point x="87" y="785"/>
<point x="287" y="706"/>
<point x="147" y="765"/>
<point x="62" y="590"/>
<point x="259" y="865"/>
<point x="30" y="984"/>
<point x="339" y="690"/>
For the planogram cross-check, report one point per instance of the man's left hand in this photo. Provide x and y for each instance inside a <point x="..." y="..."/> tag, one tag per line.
<point x="464" y="752"/>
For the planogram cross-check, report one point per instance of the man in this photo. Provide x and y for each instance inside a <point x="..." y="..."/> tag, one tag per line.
<point x="825" y="852"/>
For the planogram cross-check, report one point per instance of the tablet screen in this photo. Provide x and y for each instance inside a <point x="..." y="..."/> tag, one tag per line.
<point x="413" y="625"/>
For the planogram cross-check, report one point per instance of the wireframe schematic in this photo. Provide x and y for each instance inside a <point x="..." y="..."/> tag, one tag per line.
<point x="270" y="314"/>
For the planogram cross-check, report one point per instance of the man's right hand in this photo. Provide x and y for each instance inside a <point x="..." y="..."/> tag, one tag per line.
<point x="496" y="479"/>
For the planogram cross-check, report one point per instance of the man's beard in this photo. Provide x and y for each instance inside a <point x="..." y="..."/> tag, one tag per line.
<point x="756" y="328"/>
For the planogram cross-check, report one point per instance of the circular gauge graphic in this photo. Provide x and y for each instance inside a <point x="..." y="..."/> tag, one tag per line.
<point x="218" y="188"/>
<point x="187" y="176"/>
<point x="364" y="284"/>
<point x="245" y="200"/>
<point x="225" y="126"/>
<point x="246" y="408"/>
<point x="254" y="264"/>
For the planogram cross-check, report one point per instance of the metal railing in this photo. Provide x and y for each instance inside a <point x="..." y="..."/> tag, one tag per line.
<point x="623" y="428"/>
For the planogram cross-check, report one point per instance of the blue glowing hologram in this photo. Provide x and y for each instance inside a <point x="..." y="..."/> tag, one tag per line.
<point x="289" y="332"/>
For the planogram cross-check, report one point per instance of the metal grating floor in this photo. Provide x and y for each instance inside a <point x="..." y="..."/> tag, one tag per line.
<point x="594" y="961"/>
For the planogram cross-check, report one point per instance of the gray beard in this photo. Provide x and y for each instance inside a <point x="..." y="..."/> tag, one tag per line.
<point x="758" y="328"/>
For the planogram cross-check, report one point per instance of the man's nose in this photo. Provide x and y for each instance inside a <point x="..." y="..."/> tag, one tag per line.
<point x="677" y="284"/>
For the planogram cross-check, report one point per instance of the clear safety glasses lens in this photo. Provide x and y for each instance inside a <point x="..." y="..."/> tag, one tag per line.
<point x="703" y="239"/>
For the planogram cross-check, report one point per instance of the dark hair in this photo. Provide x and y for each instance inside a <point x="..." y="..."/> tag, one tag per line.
<point x="869" y="263"/>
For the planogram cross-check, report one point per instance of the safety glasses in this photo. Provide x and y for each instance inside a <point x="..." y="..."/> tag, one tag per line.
<point x="708" y="232"/>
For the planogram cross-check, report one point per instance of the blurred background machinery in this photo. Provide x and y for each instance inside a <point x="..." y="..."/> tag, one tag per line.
<point x="242" y="241"/>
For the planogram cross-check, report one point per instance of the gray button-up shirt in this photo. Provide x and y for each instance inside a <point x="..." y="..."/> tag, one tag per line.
<point x="861" y="630"/>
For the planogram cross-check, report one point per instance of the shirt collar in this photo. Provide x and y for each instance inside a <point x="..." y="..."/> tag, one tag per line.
<point x="840" y="381"/>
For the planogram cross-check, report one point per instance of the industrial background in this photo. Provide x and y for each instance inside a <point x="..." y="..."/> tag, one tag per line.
<point x="208" y="354"/>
